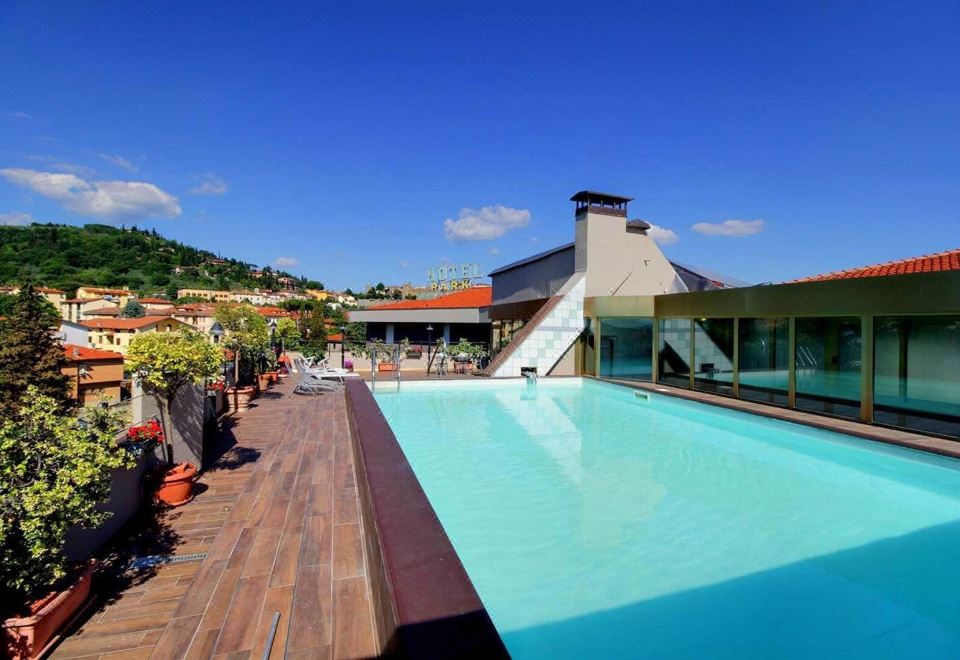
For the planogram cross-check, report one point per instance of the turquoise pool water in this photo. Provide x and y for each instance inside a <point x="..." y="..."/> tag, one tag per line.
<point x="596" y="525"/>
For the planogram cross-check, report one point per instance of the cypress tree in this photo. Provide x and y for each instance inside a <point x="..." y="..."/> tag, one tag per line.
<point x="30" y="353"/>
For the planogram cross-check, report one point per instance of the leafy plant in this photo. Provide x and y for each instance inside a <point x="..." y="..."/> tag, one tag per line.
<point x="55" y="470"/>
<point x="287" y="334"/>
<point x="247" y="336"/>
<point x="165" y="361"/>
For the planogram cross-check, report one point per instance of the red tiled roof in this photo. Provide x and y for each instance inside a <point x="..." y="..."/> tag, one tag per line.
<point x="477" y="296"/>
<point x="154" y="301"/>
<point x="88" y="354"/>
<point x="930" y="263"/>
<point x="124" y="324"/>
<point x="272" y="311"/>
<point x="104" y="311"/>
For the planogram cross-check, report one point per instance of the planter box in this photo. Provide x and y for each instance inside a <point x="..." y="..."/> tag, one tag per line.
<point x="30" y="636"/>
<point x="241" y="400"/>
<point x="388" y="366"/>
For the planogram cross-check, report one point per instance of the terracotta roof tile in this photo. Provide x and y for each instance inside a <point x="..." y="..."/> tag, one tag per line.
<point x="88" y="354"/>
<point x="124" y="324"/>
<point x="930" y="263"/>
<point x="154" y="301"/>
<point x="477" y="296"/>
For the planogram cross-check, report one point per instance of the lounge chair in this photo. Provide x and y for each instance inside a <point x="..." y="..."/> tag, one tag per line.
<point x="312" y="384"/>
<point x="323" y="372"/>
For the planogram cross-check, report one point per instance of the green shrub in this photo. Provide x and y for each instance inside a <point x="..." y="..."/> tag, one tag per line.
<point x="54" y="470"/>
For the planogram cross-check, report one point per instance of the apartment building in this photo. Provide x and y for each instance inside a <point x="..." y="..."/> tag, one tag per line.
<point x="116" y="334"/>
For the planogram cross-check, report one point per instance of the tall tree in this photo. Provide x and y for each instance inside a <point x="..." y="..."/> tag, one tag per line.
<point x="30" y="353"/>
<point x="133" y="310"/>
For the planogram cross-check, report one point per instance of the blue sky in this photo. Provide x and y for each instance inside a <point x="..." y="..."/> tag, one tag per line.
<point x="342" y="136"/>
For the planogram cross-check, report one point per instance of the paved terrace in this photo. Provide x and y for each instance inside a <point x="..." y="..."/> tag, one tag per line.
<point x="277" y="516"/>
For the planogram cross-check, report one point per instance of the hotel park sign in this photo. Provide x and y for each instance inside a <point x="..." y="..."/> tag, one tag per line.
<point x="451" y="277"/>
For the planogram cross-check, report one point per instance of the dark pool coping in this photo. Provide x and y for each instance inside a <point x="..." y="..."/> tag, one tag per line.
<point x="425" y="605"/>
<point x="898" y="437"/>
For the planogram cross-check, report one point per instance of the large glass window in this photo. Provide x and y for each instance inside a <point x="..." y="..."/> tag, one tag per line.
<point x="626" y="348"/>
<point x="673" y="362"/>
<point x="589" y="350"/>
<point x="828" y="365"/>
<point x="713" y="355"/>
<point x="764" y="360"/>
<point x="917" y="373"/>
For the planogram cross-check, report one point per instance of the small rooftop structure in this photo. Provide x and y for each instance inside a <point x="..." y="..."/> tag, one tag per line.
<point x="599" y="202"/>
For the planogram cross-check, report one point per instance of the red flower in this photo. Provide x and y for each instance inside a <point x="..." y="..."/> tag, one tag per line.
<point x="145" y="432"/>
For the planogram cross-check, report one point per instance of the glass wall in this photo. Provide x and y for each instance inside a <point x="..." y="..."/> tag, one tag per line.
<point x="626" y="348"/>
<point x="917" y="373"/>
<point x="713" y="355"/>
<point x="764" y="360"/>
<point x="673" y="363"/>
<point x="828" y="365"/>
<point x="589" y="350"/>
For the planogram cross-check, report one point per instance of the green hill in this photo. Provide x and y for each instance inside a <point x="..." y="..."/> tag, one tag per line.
<point x="66" y="257"/>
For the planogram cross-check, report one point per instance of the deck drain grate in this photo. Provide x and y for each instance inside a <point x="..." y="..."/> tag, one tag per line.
<point x="153" y="560"/>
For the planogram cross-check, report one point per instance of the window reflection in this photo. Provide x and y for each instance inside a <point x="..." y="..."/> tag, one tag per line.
<point x="713" y="355"/>
<point x="626" y="348"/>
<point x="828" y="365"/>
<point x="917" y="373"/>
<point x="764" y="360"/>
<point x="674" y="352"/>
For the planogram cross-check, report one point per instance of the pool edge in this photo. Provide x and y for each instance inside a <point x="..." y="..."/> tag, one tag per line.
<point x="424" y="603"/>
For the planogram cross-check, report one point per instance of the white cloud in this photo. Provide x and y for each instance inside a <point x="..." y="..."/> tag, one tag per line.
<point x="286" y="262"/>
<point x="493" y="249"/>
<point x="106" y="200"/>
<point x="404" y="264"/>
<point x="730" y="228"/>
<point x="485" y="224"/>
<point x="21" y="115"/>
<point x="662" y="235"/>
<point x="120" y="161"/>
<point x="16" y="218"/>
<point x="211" y="185"/>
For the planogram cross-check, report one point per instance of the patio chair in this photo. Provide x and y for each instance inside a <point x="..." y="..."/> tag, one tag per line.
<point x="313" y="385"/>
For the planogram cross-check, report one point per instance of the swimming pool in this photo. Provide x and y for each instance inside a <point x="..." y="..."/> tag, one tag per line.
<point x="594" y="523"/>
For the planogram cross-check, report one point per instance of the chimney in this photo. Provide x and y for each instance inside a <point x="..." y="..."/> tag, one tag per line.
<point x="590" y="201"/>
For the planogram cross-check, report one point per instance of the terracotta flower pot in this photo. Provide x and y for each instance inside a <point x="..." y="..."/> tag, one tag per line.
<point x="240" y="398"/>
<point x="177" y="485"/>
<point x="274" y="376"/>
<point x="386" y="366"/>
<point x="30" y="636"/>
<point x="264" y="381"/>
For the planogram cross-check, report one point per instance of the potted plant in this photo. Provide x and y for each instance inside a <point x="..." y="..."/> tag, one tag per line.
<point x="56" y="470"/>
<point x="164" y="363"/>
<point x="348" y="365"/>
<point x="248" y="338"/>
<point x="389" y="356"/>
<point x="143" y="437"/>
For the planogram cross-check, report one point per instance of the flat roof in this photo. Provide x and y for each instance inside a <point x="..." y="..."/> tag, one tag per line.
<point x="585" y="195"/>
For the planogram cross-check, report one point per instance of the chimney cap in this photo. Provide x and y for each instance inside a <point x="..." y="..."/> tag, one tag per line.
<point x="637" y="223"/>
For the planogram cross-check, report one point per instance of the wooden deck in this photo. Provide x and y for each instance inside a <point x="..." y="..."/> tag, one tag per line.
<point x="277" y="516"/>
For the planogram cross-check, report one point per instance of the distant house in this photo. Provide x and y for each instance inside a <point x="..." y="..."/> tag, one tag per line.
<point x="155" y="304"/>
<point x="115" y="334"/>
<point x="54" y="296"/>
<point x="118" y="296"/>
<point x="95" y="375"/>
<point x="109" y="311"/>
<point x="76" y="309"/>
<point x="207" y="294"/>
<point x="198" y="316"/>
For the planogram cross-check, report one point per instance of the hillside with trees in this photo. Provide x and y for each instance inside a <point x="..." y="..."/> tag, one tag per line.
<point x="65" y="257"/>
